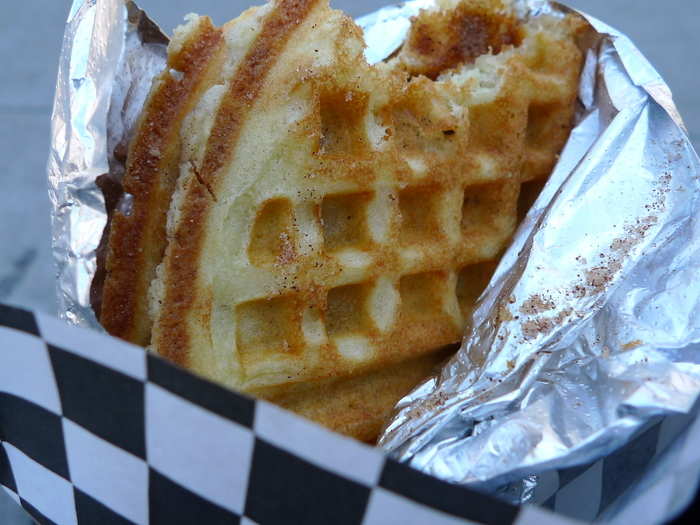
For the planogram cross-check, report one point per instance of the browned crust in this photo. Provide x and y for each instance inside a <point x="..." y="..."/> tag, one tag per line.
<point x="112" y="192"/>
<point x="360" y="406"/>
<point x="185" y="248"/>
<point x="137" y="241"/>
<point x="446" y="39"/>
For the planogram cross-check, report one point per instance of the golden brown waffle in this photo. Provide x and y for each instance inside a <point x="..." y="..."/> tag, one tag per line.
<point x="360" y="405"/>
<point x="331" y="221"/>
<point x="137" y="240"/>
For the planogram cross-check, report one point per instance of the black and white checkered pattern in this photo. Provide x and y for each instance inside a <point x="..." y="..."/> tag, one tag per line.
<point x="94" y="430"/>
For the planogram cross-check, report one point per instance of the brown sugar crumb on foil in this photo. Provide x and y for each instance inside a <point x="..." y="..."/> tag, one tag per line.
<point x="578" y="292"/>
<point x="503" y="315"/>
<point x="428" y="406"/>
<point x="535" y="327"/>
<point x="593" y="281"/>
<point x="634" y="234"/>
<point x="537" y="304"/>
<point x="599" y="277"/>
<point x="632" y="344"/>
<point x="544" y="325"/>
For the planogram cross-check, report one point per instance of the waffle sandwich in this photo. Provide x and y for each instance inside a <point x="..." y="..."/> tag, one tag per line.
<point x="314" y="230"/>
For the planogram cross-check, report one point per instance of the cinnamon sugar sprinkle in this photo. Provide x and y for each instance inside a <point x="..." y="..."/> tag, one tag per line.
<point x="597" y="279"/>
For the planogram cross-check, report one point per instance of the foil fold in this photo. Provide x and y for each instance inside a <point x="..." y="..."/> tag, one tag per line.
<point x="588" y="328"/>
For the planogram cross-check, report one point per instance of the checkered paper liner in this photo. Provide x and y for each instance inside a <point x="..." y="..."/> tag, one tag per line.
<point x="94" y="430"/>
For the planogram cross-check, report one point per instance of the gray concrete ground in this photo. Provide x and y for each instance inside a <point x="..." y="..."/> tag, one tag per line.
<point x="30" y="40"/>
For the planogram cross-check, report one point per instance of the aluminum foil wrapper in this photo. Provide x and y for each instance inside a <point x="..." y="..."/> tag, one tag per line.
<point x="588" y="328"/>
<point x="111" y="53"/>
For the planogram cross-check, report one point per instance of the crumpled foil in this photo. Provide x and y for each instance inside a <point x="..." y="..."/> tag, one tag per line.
<point x="588" y="328"/>
<point x="111" y="53"/>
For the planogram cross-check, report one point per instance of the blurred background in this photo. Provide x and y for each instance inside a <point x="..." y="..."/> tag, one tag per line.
<point x="30" y="41"/>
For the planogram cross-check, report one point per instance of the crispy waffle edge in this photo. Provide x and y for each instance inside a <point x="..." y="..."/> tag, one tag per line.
<point x="245" y="84"/>
<point x="137" y="241"/>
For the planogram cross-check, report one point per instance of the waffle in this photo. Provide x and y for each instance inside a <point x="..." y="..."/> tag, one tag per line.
<point x="311" y="229"/>
<point x="360" y="405"/>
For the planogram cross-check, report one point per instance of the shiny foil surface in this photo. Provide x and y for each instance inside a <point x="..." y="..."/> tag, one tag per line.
<point x="587" y="330"/>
